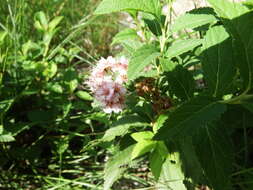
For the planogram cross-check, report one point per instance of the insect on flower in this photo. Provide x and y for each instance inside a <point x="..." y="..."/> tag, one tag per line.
<point x="106" y="82"/>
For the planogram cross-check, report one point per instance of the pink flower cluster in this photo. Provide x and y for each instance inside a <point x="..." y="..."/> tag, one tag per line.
<point x="106" y="82"/>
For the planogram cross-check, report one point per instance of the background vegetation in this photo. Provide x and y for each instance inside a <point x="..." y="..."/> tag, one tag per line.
<point x="188" y="119"/>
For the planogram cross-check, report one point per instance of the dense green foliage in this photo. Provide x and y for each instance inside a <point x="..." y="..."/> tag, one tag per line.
<point x="188" y="115"/>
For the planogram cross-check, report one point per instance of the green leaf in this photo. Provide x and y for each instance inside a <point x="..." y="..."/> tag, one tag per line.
<point x="238" y="20"/>
<point x="143" y="135"/>
<point x="53" y="24"/>
<point x="28" y="46"/>
<point x="1" y="129"/>
<point x="3" y="34"/>
<point x="194" y="19"/>
<point x="99" y="116"/>
<point x="142" y="147"/>
<point x="41" y="22"/>
<point x="167" y="64"/>
<point x="124" y="35"/>
<point x="213" y="148"/>
<point x="6" y="137"/>
<point x="140" y="59"/>
<point x="154" y="26"/>
<point x="121" y="127"/>
<point x="156" y="162"/>
<point x="181" y="82"/>
<point x="191" y="165"/>
<point x="157" y="157"/>
<point x="190" y="116"/>
<point x="62" y="145"/>
<point x="181" y="46"/>
<point x="50" y="70"/>
<point x="84" y="95"/>
<point x="5" y="105"/>
<point x="110" y="6"/>
<point x="55" y="87"/>
<point x="219" y="68"/>
<point x="172" y="176"/>
<point x="159" y="122"/>
<point x="116" y="166"/>
<point x="73" y="85"/>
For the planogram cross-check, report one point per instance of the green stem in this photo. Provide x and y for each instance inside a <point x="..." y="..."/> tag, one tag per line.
<point x="238" y="100"/>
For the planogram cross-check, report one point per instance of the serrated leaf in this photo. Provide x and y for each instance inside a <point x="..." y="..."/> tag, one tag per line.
<point x="156" y="162"/>
<point x="219" y="68"/>
<point x="140" y="59"/>
<point x="5" y="106"/>
<point x="154" y="26"/>
<point x="124" y="35"/>
<point x="142" y="147"/>
<point x="238" y="20"/>
<point x="110" y="6"/>
<point x="181" y="46"/>
<point x="143" y="135"/>
<point x="194" y="19"/>
<point x="116" y="166"/>
<point x="121" y="127"/>
<point x="212" y="144"/>
<point x="188" y="117"/>
<point x="159" y="122"/>
<point x="172" y="176"/>
<point x="181" y="82"/>
<point x="167" y="64"/>
<point x="6" y="137"/>
<point x="191" y="165"/>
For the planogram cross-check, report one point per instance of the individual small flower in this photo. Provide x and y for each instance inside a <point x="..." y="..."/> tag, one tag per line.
<point x="106" y="82"/>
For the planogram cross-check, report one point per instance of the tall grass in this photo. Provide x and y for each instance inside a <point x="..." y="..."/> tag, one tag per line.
<point x="50" y="129"/>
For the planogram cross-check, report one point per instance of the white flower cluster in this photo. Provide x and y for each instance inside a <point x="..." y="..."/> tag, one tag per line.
<point x="106" y="82"/>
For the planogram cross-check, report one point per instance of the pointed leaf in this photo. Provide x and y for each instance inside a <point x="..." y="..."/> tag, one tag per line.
<point x="156" y="162"/>
<point x="159" y="122"/>
<point x="116" y="166"/>
<point x="143" y="135"/>
<point x="121" y="127"/>
<point x="188" y="117"/>
<point x="238" y="20"/>
<point x="181" y="82"/>
<point x="214" y="152"/>
<point x="53" y="24"/>
<point x="142" y="147"/>
<point x="3" y="34"/>
<point x="172" y="176"/>
<point x="141" y="58"/>
<point x="109" y="6"/>
<point x="219" y="68"/>
<point x="126" y="34"/>
<point x="181" y="46"/>
<point x="194" y="19"/>
<point x="6" y="137"/>
<point x="84" y="95"/>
